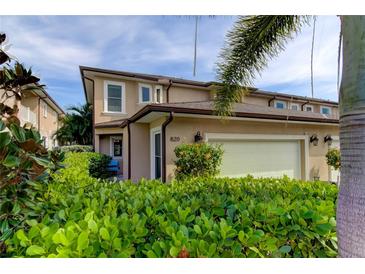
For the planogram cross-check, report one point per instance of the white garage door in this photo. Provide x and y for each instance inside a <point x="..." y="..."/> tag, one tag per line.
<point x="260" y="158"/>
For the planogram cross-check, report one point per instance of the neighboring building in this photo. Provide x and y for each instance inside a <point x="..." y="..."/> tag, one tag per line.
<point x="139" y="119"/>
<point x="38" y="107"/>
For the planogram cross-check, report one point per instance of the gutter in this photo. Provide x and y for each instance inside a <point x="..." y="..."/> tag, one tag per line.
<point x="168" y="92"/>
<point x="163" y="137"/>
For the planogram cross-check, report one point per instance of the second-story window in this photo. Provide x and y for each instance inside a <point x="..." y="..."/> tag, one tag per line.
<point x="45" y="110"/>
<point x="158" y="94"/>
<point x="294" y="106"/>
<point x="114" y="96"/>
<point x="308" y="108"/>
<point x="280" y="104"/>
<point x="325" y="110"/>
<point x="145" y="93"/>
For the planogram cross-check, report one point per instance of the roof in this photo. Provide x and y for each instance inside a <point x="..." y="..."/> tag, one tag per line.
<point x="43" y="94"/>
<point x="242" y="110"/>
<point x="114" y="123"/>
<point x="201" y="84"/>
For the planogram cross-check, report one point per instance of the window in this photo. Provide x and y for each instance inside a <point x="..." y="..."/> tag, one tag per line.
<point x="116" y="146"/>
<point x="45" y="109"/>
<point x="280" y="104"/>
<point x="158" y="94"/>
<point x="145" y="92"/>
<point x="325" y="110"/>
<point x="45" y="142"/>
<point x="308" y="108"/>
<point x="114" y="97"/>
<point x="294" y="106"/>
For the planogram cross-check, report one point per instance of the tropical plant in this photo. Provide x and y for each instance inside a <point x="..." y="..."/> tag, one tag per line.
<point x="201" y="159"/>
<point x="333" y="157"/>
<point x="23" y="159"/>
<point x="253" y="41"/>
<point x="199" y="217"/>
<point x="76" y="126"/>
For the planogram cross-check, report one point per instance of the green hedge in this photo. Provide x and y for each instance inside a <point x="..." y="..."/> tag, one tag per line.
<point x="74" y="148"/>
<point x="200" y="217"/>
<point x="98" y="166"/>
<point x="201" y="159"/>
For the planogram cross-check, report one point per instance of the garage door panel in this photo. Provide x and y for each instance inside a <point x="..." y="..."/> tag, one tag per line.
<point x="260" y="158"/>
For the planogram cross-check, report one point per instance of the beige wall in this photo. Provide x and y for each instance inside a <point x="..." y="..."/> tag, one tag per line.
<point x="47" y="125"/>
<point x="186" y="128"/>
<point x="182" y="94"/>
<point x="140" y="151"/>
<point x="131" y="97"/>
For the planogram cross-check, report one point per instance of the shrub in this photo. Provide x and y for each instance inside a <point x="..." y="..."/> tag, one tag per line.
<point x="334" y="158"/>
<point x="74" y="148"/>
<point x="199" y="217"/>
<point x="98" y="166"/>
<point x="197" y="160"/>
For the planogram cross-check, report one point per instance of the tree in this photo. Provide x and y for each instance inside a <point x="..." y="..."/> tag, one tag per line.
<point x="23" y="158"/>
<point x="76" y="126"/>
<point x="252" y="42"/>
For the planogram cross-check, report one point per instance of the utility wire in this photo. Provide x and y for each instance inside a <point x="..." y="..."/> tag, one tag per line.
<point x="195" y="43"/>
<point x="313" y="36"/>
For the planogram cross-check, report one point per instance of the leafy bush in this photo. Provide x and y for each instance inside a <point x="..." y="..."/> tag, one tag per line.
<point x="74" y="148"/>
<point x="200" y="159"/>
<point x="98" y="166"/>
<point x="334" y="158"/>
<point x="23" y="159"/>
<point x="200" y="217"/>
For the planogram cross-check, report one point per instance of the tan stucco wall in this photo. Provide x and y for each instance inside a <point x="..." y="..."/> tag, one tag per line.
<point x="186" y="128"/>
<point x="182" y="94"/>
<point x="131" y="97"/>
<point x="48" y="125"/>
<point x="140" y="151"/>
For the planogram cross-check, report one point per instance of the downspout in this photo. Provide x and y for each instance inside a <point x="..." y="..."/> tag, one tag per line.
<point x="168" y="92"/>
<point x="302" y="106"/>
<point x="269" y="102"/>
<point x="93" y="109"/>
<point x="163" y="133"/>
<point x="39" y="114"/>
<point x="129" y="149"/>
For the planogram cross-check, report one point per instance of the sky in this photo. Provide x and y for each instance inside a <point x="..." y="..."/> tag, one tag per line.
<point x="55" y="47"/>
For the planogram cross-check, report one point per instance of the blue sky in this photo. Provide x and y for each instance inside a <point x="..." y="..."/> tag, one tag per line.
<point x="56" y="45"/>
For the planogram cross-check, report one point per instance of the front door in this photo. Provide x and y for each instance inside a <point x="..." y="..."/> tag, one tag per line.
<point x="156" y="154"/>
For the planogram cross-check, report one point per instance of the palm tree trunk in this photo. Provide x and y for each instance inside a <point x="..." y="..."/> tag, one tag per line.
<point x="351" y="201"/>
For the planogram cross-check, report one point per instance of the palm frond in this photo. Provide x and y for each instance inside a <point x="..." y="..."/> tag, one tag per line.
<point x="252" y="42"/>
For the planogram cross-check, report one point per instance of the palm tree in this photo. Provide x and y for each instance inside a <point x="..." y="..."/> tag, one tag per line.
<point x="252" y="42"/>
<point x="76" y="126"/>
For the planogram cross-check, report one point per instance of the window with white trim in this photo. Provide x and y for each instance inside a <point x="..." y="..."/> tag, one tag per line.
<point x="294" y="106"/>
<point x="280" y="104"/>
<point x="45" y="141"/>
<point x="145" y="93"/>
<point x="325" y="110"/>
<point x="45" y="110"/>
<point x="158" y="94"/>
<point x="114" y="97"/>
<point x="308" y="108"/>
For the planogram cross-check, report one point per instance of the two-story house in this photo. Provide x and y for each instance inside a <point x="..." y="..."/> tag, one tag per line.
<point x="139" y="119"/>
<point x="38" y="107"/>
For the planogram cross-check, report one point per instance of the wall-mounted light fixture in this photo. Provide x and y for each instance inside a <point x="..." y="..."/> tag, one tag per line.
<point x="198" y="137"/>
<point x="314" y="139"/>
<point x="328" y="139"/>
